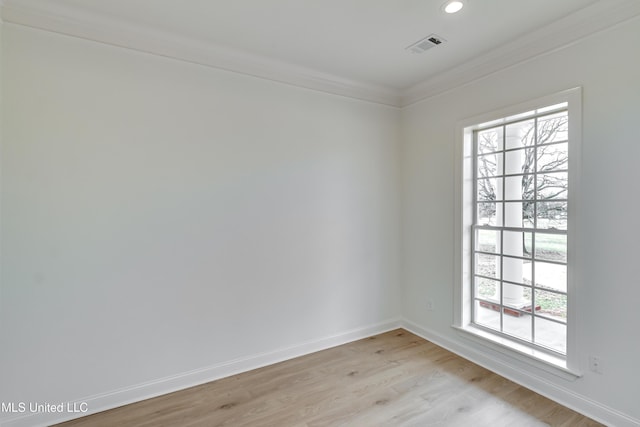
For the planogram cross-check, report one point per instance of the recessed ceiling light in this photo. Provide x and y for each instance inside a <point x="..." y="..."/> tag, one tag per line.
<point x="453" y="6"/>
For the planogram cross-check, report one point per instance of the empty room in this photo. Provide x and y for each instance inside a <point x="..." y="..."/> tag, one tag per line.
<point x="319" y="213"/>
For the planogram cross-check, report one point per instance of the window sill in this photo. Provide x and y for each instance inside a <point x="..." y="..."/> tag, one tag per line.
<point x="536" y="358"/>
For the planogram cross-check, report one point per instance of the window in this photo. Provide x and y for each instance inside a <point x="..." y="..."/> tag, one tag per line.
<point x="516" y="223"/>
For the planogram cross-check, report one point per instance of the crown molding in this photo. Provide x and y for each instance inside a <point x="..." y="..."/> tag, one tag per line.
<point x="110" y="31"/>
<point x="597" y="17"/>
<point x="594" y="18"/>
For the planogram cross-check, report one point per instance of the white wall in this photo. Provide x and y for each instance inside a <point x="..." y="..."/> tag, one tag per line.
<point x="607" y="66"/>
<point x="160" y="217"/>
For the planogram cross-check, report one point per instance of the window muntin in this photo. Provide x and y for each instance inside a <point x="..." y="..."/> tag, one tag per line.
<point x="519" y="231"/>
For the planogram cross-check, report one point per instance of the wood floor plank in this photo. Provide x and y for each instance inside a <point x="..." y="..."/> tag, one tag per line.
<point x="391" y="379"/>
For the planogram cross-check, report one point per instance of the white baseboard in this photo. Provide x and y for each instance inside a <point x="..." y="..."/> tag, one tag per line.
<point x="136" y="393"/>
<point x="566" y="397"/>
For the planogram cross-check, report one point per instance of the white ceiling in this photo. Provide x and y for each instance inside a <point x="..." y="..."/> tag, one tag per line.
<point x="359" y="41"/>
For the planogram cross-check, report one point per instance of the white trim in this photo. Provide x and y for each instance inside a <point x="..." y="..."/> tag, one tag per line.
<point x="463" y="191"/>
<point x="599" y="16"/>
<point x="139" y="392"/>
<point x="539" y="359"/>
<point x="464" y="198"/>
<point x="574" y="249"/>
<point x="510" y="368"/>
<point x="586" y="22"/>
<point x="110" y="31"/>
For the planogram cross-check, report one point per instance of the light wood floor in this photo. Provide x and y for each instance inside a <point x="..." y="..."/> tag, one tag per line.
<point x="392" y="379"/>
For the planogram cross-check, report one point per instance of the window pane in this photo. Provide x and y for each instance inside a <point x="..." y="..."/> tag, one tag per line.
<point x="518" y="214"/>
<point x="487" y="289"/>
<point x="489" y="189"/>
<point x="517" y="325"/>
<point x="488" y="265"/>
<point x="551" y="247"/>
<point x="519" y="161"/>
<point x="552" y="305"/>
<point x="553" y="157"/>
<point x="517" y="243"/>
<point x="487" y="314"/>
<point x="552" y="215"/>
<point x="519" y="187"/>
<point x="490" y="140"/>
<point x="553" y="127"/>
<point x="520" y="134"/>
<point x="489" y="165"/>
<point x="489" y="213"/>
<point x="552" y="276"/>
<point x="553" y="185"/>
<point x="516" y="296"/>
<point x="488" y="241"/>
<point x="551" y="334"/>
<point x="519" y="280"/>
<point x="516" y="270"/>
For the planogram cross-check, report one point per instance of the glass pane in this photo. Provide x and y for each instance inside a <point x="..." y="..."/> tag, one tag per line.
<point x="519" y="161"/>
<point x="487" y="314"/>
<point x="551" y="247"/>
<point x="488" y="241"/>
<point x="553" y="157"/>
<point x="489" y="213"/>
<point x="489" y="189"/>
<point x="552" y="215"/>
<point x="487" y="289"/>
<point x="488" y="265"/>
<point x="517" y="243"/>
<point x="520" y="134"/>
<point x="519" y="187"/>
<point x="516" y="270"/>
<point x="518" y="214"/>
<point x="518" y="325"/>
<point x="553" y="185"/>
<point x="490" y="140"/>
<point x="489" y="165"/>
<point x="552" y="305"/>
<point x="517" y="297"/>
<point x="552" y="276"/>
<point x="551" y="334"/>
<point x="553" y="127"/>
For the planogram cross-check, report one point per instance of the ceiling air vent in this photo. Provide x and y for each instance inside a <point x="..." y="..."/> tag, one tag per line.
<point x="426" y="43"/>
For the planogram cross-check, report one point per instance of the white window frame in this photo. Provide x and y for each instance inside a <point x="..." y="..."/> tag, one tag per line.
<point x="568" y="367"/>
